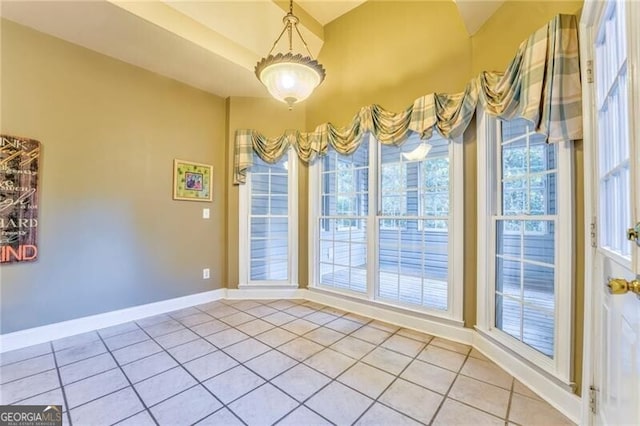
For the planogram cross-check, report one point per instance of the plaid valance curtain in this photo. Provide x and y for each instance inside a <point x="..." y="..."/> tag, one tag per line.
<point x="541" y="84"/>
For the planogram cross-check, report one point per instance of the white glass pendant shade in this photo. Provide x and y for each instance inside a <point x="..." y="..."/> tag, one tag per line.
<point x="290" y="78"/>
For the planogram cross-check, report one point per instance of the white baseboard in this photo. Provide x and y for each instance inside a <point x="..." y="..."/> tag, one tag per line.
<point x="447" y="329"/>
<point x="567" y="403"/>
<point x="564" y="401"/>
<point x="263" y="292"/>
<point x="33" y="336"/>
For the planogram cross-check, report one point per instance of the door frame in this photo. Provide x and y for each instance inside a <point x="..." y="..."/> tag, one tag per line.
<point x="591" y="11"/>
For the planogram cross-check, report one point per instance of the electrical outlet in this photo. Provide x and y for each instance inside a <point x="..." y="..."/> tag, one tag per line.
<point x="205" y="274"/>
<point x="205" y="213"/>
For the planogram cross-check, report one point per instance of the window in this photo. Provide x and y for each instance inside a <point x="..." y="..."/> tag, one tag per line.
<point x="525" y="260"/>
<point x="525" y="242"/>
<point x="413" y="255"/>
<point x="268" y="226"/>
<point x="343" y="220"/>
<point x="393" y="243"/>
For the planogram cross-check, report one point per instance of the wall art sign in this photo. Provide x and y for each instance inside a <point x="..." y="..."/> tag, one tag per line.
<point x="192" y="181"/>
<point x="19" y="170"/>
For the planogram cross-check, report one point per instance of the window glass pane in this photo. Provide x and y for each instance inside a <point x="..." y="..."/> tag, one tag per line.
<point x="259" y="205"/>
<point x="514" y="196"/>
<point x="509" y="238"/>
<point x="259" y="227"/>
<point x="509" y="316"/>
<point x="508" y="277"/>
<point x="279" y="184"/>
<point x="394" y="177"/>
<point x="279" y="205"/>
<point x="358" y="280"/>
<point x="343" y="230"/>
<point x="514" y="159"/>
<point x="413" y="238"/>
<point x="539" y="241"/>
<point x="525" y="248"/>
<point x="268" y="222"/>
<point x="259" y="183"/>
<point x="515" y="129"/>
<point x="279" y="228"/>
<point x="538" y="286"/>
<point x="538" y="329"/>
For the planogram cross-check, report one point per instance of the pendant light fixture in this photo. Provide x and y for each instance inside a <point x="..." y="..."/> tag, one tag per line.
<point x="290" y="78"/>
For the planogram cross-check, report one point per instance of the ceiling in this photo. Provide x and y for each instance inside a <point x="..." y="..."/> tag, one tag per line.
<point x="212" y="45"/>
<point x="328" y="10"/>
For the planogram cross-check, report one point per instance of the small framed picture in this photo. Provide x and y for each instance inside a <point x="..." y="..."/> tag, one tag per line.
<point x="192" y="181"/>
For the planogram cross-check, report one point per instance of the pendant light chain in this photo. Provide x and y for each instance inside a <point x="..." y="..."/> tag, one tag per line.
<point x="289" y="25"/>
<point x="304" y="42"/>
<point x="290" y="77"/>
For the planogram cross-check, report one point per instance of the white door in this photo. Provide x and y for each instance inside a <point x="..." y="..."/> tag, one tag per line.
<point x="612" y="40"/>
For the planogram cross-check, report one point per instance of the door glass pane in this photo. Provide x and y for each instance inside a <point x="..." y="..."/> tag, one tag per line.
<point x="612" y="101"/>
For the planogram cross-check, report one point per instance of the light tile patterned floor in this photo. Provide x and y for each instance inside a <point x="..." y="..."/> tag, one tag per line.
<point x="264" y="362"/>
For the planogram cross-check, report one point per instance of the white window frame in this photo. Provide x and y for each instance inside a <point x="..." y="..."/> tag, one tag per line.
<point x="488" y="185"/>
<point x="454" y="313"/>
<point x="244" y="207"/>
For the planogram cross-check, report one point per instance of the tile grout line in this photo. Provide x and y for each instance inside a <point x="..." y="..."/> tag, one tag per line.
<point x="198" y="382"/>
<point x="260" y="317"/>
<point x="513" y="386"/>
<point x="64" y="393"/>
<point x="460" y="373"/>
<point x="154" y="375"/>
<point x="107" y="351"/>
<point x="130" y="383"/>
<point x="446" y="395"/>
<point x="331" y="380"/>
<point x="271" y="348"/>
<point x="150" y="338"/>
<point x="25" y="359"/>
<point x="396" y="378"/>
<point x="269" y="381"/>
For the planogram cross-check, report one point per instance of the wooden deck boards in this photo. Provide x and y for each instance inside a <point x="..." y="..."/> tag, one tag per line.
<point x="408" y="289"/>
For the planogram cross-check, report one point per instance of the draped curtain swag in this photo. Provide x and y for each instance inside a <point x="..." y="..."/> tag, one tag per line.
<point x="541" y="84"/>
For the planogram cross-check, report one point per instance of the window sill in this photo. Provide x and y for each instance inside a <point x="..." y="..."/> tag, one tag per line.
<point x="364" y="299"/>
<point x="267" y="284"/>
<point x="529" y="356"/>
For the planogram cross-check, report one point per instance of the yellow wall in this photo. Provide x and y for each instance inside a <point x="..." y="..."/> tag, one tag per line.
<point x="389" y="53"/>
<point x="271" y="118"/>
<point x="110" y="235"/>
<point x="496" y="42"/>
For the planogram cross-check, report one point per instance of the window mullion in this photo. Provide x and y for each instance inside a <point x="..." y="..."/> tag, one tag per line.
<point x="373" y="226"/>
